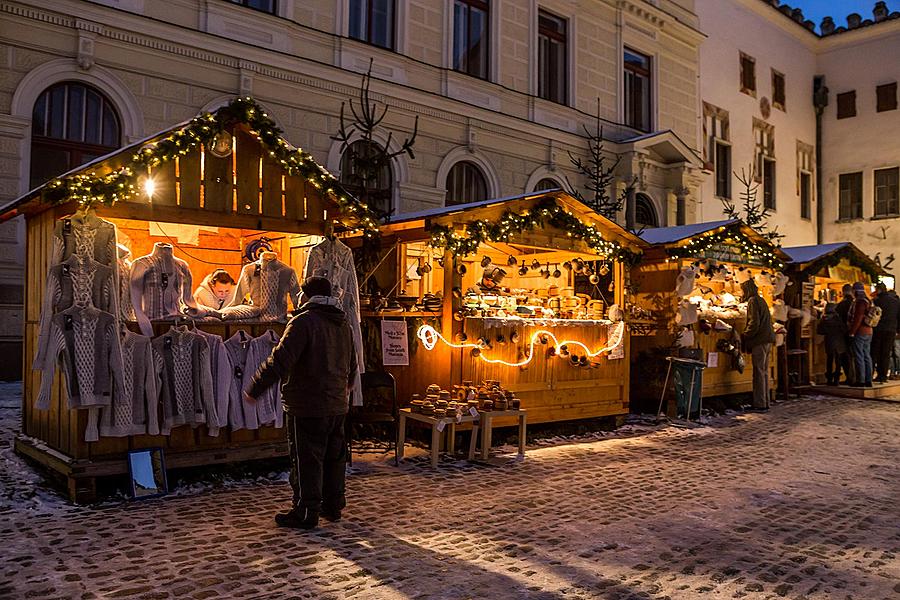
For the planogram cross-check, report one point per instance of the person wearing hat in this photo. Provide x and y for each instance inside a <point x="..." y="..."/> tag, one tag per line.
<point x="885" y="332"/>
<point x="491" y="278"/>
<point x="758" y="337"/>
<point x="843" y="311"/>
<point x="860" y="336"/>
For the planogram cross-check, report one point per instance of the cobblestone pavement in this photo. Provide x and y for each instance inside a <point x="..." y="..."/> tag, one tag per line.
<point x="801" y="502"/>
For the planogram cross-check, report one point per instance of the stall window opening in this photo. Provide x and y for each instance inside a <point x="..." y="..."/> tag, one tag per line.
<point x="372" y="21"/>
<point x="850" y="202"/>
<point x="71" y="124"/>
<point x="552" y="67"/>
<point x="465" y="183"/>
<point x="366" y="173"/>
<point x="887" y="203"/>
<point x="266" y="6"/>
<point x="470" y="37"/>
<point x="637" y="90"/>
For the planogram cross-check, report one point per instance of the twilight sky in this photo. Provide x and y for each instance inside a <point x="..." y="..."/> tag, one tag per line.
<point x="838" y="9"/>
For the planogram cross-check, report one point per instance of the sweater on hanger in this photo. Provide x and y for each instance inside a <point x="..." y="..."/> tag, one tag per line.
<point x="241" y="415"/>
<point x="269" y="284"/>
<point x="84" y="234"/>
<point x="268" y="404"/>
<point x="134" y="409"/>
<point x="126" y="310"/>
<point x="87" y="339"/>
<point x="333" y="260"/>
<point x="78" y="280"/>
<point x="185" y="381"/>
<point x="220" y="368"/>
<point x="160" y="287"/>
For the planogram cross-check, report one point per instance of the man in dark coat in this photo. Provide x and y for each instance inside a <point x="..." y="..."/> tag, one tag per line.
<point x="759" y="335"/>
<point x="843" y="312"/>
<point x="316" y="364"/>
<point x="836" y="350"/>
<point x="885" y="331"/>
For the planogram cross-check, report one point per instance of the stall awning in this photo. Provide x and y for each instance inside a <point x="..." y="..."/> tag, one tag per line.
<point x="812" y="259"/>
<point x="232" y="161"/>
<point x="671" y="235"/>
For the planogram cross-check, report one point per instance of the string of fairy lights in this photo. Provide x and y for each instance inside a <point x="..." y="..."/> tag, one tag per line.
<point x="733" y="237"/>
<point x="545" y="212"/>
<point x="429" y="337"/>
<point x="125" y="182"/>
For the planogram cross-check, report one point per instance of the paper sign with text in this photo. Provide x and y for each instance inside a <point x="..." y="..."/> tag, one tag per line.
<point x="394" y="344"/>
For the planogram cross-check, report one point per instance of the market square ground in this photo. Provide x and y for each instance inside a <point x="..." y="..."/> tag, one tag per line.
<point x="801" y="502"/>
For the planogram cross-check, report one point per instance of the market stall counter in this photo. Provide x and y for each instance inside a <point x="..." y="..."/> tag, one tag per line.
<point x="158" y="278"/>
<point x="818" y="273"/>
<point x="515" y="300"/>
<point x="688" y="287"/>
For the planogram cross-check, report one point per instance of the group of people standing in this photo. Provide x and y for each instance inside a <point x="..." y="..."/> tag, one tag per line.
<point x="860" y="336"/>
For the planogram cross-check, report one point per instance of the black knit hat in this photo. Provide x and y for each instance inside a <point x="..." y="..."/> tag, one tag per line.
<point x="316" y="286"/>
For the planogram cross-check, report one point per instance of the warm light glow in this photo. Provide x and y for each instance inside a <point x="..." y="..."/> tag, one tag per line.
<point x="429" y="337"/>
<point x="149" y="188"/>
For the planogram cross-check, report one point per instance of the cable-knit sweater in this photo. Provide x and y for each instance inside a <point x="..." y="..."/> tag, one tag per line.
<point x="88" y="342"/>
<point x="220" y="368"/>
<point x="135" y="406"/>
<point x="268" y="404"/>
<point x="77" y="280"/>
<point x="160" y="287"/>
<point x="333" y="260"/>
<point x="241" y="415"/>
<point x="185" y="381"/>
<point x="126" y="311"/>
<point x="84" y="234"/>
<point x="269" y="284"/>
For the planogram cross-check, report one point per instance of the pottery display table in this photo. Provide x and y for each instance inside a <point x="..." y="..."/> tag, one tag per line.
<point x="482" y="424"/>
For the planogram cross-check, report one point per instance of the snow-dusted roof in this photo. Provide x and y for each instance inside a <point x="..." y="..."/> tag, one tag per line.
<point x="805" y="254"/>
<point x="670" y="235"/>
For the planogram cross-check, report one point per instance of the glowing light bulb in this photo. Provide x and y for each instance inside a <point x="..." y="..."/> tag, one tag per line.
<point x="149" y="188"/>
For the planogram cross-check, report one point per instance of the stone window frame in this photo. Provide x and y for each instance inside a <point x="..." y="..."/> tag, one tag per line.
<point x="716" y="132"/>
<point x="806" y="166"/>
<point x="779" y="103"/>
<point x="746" y="86"/>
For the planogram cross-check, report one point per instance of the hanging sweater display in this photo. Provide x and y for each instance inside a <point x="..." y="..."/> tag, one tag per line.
<point x="134" y="408"/>
<point x="87" y="340"/>
<point x="185" y="381"/>
<point x="219" y="367"/>
<point x="333" y="259"/>
<point x="78" y="280"/>
<point x="269" y="283"/>
<point x="241" y="415"/>
<point x="126" y="311"/>
<point x="268" y="405"/>
<point x="85" y="234"/>
<point x="160" y="287"/>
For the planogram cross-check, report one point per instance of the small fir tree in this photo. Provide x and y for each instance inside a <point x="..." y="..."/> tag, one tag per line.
<point x="751" y="211"/>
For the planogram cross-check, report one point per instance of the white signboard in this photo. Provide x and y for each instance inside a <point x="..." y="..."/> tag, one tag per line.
<point x="712" y="360"/>
<point x="394" y="344"/>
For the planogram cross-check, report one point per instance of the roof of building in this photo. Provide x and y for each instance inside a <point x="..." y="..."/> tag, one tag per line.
<point x="670" y="235"/>
<point x="804" y="254"/>
<point x="880" y="14"/>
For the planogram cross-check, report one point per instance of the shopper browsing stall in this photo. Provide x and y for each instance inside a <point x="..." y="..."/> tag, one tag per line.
<point x="885" y="331"/>
<point x="758" y="339"/>
<point x="860" y="330"/>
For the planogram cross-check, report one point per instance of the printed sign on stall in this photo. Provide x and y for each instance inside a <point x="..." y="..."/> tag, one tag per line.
<point x="394" y="344"/>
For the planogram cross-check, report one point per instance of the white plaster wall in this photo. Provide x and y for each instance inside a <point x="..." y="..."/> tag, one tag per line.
<point x="868" y="141"/>
<point x="733" y="26"/>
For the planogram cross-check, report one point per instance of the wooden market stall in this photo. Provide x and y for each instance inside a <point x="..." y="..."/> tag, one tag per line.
<point x="210" y="188"/>
<point x="548" y="332"/>
<point x="818" y="273"/>
<point x="707" y="261"/>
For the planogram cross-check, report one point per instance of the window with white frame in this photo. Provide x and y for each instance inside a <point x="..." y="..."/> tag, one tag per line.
<point x="717" y="150"/>
<point x="764" y="138"/>
<point x="850" y="196"/>
<point x="471" y="39"/>
<point x="552" y="62"/>
<point x="638" y="80"/>
<point x="886" y="196"/>
<point x="806" y="166"/>
<point x="372" y="21"/>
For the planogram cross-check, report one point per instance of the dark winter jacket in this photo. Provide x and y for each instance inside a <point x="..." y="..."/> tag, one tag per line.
<point x="759" y="328"/>
<point x="890" y="312"/>
<point x="835" y="332"/>
<point x="858" y="309"/>
<point x="843" y="308"/>
<point x="315" y="361"/>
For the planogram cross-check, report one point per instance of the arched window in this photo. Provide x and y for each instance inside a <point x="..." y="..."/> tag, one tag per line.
<point x="71" y="124"/>
<point x="644" y="213"/>
<point x="465" y="183"/>
<point x="547" y="184"/>
<point x="366" y="173"/>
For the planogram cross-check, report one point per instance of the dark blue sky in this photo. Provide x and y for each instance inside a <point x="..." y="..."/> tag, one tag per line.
<point x="838" y="9"/>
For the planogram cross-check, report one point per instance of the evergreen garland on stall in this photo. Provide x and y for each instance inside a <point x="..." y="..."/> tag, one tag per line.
<point x="833" y="259"/>
<point x="122" y="184"/>
<point x="545" y="212"/>
<point x="732" y="235"/>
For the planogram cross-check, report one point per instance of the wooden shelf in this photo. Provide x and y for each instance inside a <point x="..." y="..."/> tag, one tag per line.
<point x="405" y="313"/>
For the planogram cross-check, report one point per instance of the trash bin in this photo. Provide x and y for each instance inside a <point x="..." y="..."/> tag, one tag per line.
<point x="688" y="385"/>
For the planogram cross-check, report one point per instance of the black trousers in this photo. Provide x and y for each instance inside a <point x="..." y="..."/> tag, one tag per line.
<point x="882" y="346"/>
<point x="834" y="362"/>
<point x="318" y="458"/>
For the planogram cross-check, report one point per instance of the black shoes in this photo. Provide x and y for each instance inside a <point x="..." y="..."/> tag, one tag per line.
<point x="299" y="518"/>
<point x="331" y="515"/>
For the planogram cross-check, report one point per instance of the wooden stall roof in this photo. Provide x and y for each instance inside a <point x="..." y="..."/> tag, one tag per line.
<point x="254" y="175"/>
<point x="678" y="236"/>
<point x="811" y="259"/>
<point x="415" y="226"/>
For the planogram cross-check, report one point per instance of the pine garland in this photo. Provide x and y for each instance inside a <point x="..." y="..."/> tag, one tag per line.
<point x="545" y="212"/>
<point x="733" y="235"/>
<point x="122" y="184"/>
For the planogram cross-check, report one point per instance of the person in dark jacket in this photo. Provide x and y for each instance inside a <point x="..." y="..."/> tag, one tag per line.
<point x="860" y="336"/>
<point x="835" y="332"/>
<point x="316" y="363"/>
<point x="885" y="331"/>
<point x="759" y="335"/>
<point x="843" y="311"/>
